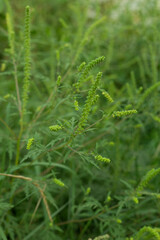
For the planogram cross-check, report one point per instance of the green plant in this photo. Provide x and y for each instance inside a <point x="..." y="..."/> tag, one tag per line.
<point x="76" y="164"/>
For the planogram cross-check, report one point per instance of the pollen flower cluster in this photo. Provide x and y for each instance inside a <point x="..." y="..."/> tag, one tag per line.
<point x="123" y="113"/>
<point x="102" y="159"/>
<point x="30" y="142"/>
<point x="58" y="182"/>
<point x="106" y="95"/>
<point x="89" y="103"/>
<point x="55" y="128"/>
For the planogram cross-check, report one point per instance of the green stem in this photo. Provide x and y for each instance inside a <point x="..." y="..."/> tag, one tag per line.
<point x="18" y="143"/>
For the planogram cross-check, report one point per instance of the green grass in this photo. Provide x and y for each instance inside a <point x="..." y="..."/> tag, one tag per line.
<point x="79" y="120"/>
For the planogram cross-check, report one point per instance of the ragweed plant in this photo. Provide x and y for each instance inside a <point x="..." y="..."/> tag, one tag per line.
<point x="102" y="159"/>
<point x="58" y="182"/>
<point x="107" y="96"/>
<point x="55" y="128"/>
<point x="150" y="232"/>
<point x="87" y="70"/>
<point x="27" y="66"/>
<point x="123" y="113"/>
<point x="146" y="179"/>
<point x="79" y="135"/>
<point x="30" y="142"/>
<point x="89" y="103"/>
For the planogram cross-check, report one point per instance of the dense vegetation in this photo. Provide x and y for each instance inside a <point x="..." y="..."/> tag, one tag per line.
<point x="79" y="120"/>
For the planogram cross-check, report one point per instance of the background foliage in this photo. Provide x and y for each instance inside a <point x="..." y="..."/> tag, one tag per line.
<point x="57" y="189"/>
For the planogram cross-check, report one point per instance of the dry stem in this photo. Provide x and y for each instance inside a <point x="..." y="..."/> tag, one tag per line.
<point x="36" y="185"/>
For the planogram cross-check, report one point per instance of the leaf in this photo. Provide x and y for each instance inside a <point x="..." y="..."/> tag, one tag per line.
<point x="4" y="206"/>
<point x="2" y="234"/>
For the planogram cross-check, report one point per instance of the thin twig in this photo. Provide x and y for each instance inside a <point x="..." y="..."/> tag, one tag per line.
<point x="85" y="219"/>
<point x="37" y="206"/>
<point x="36" y="185"/>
